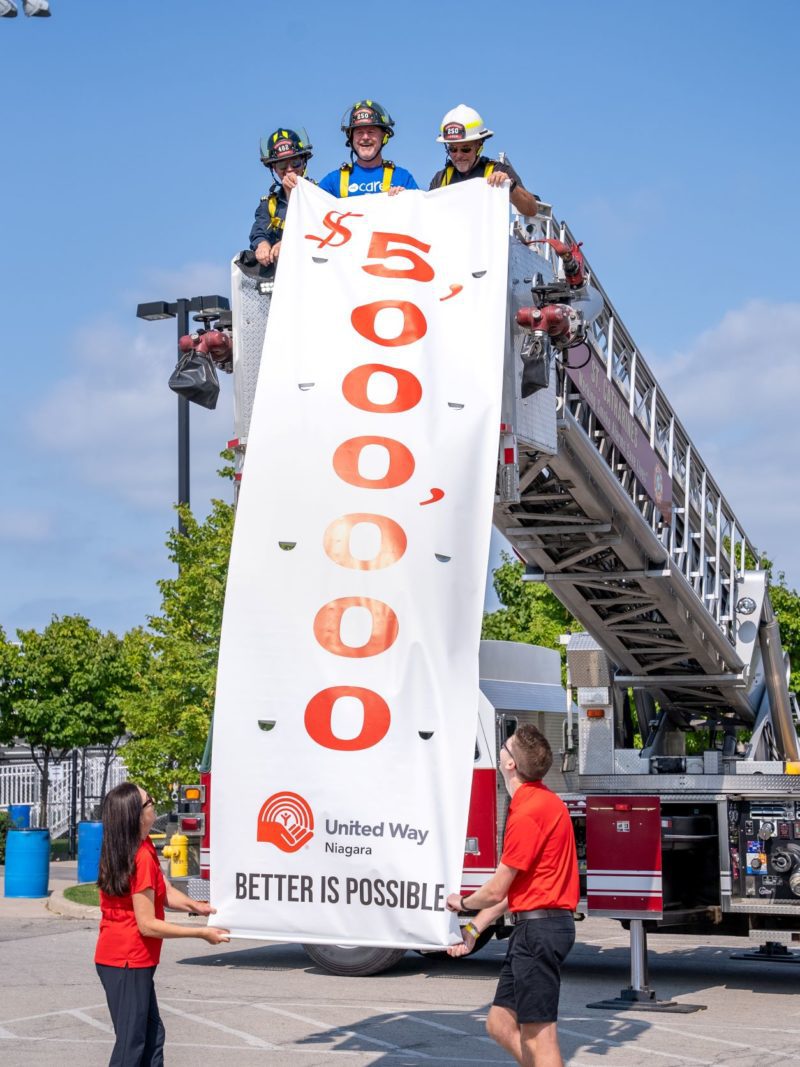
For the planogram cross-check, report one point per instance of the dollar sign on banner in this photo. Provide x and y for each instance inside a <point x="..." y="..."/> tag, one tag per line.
<point x="336" y="228"/>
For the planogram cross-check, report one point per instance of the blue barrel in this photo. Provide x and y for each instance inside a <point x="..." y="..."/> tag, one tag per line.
<point x="27" y="863"/>
<point x="20" y="816"/>
<point x="90" y="838"/>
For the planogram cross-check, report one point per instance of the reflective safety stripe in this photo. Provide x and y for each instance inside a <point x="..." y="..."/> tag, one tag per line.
<point x="272" y="205"/>
<point x="346" y="170"/>
<point x="449" y="170"/>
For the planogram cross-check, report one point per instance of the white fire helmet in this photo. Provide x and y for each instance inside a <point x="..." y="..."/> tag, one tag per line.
<point x="462" y="124"/>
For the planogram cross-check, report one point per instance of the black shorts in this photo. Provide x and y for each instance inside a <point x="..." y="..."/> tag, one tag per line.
<point x="530" y="980"/>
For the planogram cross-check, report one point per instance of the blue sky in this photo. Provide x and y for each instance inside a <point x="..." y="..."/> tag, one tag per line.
<point x="666" y="134"/>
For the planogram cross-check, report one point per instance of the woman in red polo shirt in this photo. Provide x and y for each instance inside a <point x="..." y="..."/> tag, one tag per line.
<point x="133" y="892"/>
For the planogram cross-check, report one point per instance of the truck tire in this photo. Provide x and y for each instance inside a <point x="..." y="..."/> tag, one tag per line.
<point x="354" y="961"/>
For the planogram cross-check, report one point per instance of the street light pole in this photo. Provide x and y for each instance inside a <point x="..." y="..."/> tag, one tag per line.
<point x="207" y="308"/>
<point x="182" y="315"/>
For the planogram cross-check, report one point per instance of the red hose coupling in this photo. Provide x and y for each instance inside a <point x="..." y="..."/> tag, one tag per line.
<point x="570" y="255"/>
<point x="553" y="319"/>
<point x="217" y="344"/>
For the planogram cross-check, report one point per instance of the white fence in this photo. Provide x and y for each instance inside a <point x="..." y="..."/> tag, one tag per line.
<point x="20" y="783"/>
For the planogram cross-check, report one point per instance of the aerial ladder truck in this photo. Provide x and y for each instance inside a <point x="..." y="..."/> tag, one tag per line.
<point x="605" y="499"/>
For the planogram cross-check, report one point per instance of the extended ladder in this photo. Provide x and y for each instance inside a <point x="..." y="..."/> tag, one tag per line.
<point x="615" y="510"/>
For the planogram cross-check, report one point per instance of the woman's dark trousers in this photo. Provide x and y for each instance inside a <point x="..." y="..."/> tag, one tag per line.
<point x="132" y="1002"/>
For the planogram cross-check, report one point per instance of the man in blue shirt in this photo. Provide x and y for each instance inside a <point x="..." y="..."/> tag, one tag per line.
<point x="367" y="127"/>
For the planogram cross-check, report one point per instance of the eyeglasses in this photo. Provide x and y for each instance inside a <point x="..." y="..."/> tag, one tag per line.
<point x="508" y="750"/>
<point x="291" y="164"/>
<point x="464" y="149"/>
<point x="148" y="803"/>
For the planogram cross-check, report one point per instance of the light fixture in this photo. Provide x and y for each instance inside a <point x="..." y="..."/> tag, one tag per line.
<point x="155" y="310"/>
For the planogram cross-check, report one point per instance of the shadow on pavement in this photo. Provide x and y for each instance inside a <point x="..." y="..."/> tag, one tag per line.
<point x="675" y="972"/>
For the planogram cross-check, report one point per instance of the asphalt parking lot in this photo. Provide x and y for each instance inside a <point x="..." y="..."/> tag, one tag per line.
<point x="251" y="1003"/>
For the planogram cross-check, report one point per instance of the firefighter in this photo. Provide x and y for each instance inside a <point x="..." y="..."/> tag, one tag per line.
<point x="537" y="880"/>
<point x="463" y="134"/>
<point x="367" y="128"/>
<point x="286" y="153"/>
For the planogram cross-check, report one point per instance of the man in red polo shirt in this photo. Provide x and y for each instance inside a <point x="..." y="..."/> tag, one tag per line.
<point x="536" y="880"/>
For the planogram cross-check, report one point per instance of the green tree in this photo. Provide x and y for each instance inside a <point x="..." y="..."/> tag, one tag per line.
<point x="6" y="659"/>
<point x="530" y="612"/>
<point x="169" y="713"/>
<point x="786" y="603"/>
<point x="61" y="689"/>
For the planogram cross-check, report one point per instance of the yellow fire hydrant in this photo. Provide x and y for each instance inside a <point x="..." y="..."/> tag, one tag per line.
<point x="177" y="852"/>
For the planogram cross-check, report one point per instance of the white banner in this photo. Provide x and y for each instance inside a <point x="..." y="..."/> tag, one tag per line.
<point x="346" y="711"/>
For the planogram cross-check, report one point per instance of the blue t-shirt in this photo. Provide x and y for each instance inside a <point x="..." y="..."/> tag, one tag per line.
<point x="366" y="180"/>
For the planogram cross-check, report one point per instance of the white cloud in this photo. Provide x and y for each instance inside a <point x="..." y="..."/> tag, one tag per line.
<point x="114" y="418"/>
<point x="26" y="525"/>
<point x="736" y="390"/>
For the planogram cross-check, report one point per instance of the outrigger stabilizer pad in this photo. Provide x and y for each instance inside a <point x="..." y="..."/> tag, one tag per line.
<point x="639" y="996"/>
<point x="631" y="999"/>
<point x="769" y="952"/>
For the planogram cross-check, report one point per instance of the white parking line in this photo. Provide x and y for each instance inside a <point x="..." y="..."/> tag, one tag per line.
<point x="48" y="1014"/>
<point x="619" y="939"/>
<point x="397" y="1050"/>
<point x="207" y="1048"/>
<point x="390" y="1050"/>
<point x="249" y="1039"/>
<point x="728" y="1026"/>
<point x="76" y="1013"/>
<point x="338" y="1030"/>
<point x="436" y="1026"/>
<point x="641" y="1050"/>
<point x="717" y="1040"/>
<point x="65" y="1040"/>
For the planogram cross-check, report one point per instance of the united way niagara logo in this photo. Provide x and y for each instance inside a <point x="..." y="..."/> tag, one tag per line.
<point x="286" y="821"/>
